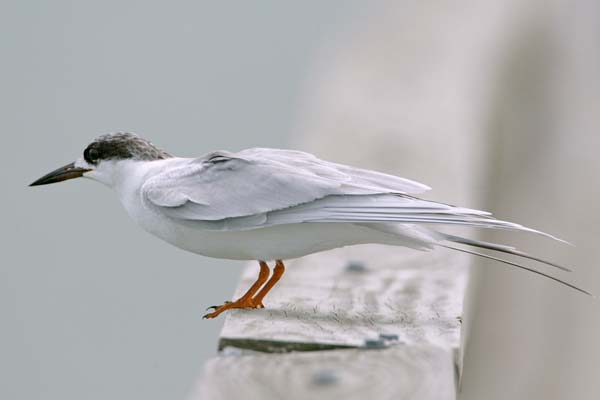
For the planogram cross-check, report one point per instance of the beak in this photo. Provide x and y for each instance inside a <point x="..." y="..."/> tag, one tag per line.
<point x="69" y="171"/>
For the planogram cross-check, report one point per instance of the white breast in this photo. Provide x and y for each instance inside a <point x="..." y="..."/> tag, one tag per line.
<point x="271" y="243"/>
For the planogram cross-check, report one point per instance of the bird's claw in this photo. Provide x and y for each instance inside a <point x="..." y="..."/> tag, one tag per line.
<point x="215" y="307"/>
<point x="232" y="304"/>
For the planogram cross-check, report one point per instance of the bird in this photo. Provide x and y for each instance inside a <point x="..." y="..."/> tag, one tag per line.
<point x="272" y="205"/>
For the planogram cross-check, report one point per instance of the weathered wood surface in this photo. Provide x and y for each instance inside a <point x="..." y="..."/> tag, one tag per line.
<point x="344" y="297"/>
<point x="396" y="312"/>
<point x="401" y="372"/>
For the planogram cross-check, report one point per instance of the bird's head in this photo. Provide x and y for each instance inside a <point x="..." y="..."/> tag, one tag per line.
<point x="102" y="155"/>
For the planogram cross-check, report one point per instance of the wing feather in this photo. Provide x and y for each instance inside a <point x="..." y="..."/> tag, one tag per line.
<point x="224" y="185"/>
<point x="264" y="187"/>
<point x="389" y="208"/>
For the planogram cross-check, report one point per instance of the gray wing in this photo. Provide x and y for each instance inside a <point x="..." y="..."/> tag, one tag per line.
<point x="395" y="208"/>
<point x="265" y="187"/>
<point x="369" y="209"/>
<point x="254" y="182"/>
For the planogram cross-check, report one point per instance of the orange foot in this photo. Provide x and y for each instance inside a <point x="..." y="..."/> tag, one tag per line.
<point x="241" y="303"/>
<point x="252" y="299"/>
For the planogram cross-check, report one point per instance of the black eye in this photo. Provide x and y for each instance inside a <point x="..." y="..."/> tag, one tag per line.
<point x="91" y="155"/>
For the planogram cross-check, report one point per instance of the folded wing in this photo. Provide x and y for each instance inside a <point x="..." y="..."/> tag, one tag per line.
<point x="225" y="185"/>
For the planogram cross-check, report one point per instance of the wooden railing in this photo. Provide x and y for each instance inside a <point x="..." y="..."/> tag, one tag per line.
<point x="369" y="322"/>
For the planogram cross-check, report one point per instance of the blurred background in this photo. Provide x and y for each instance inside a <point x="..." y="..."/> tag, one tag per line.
<point x="496" y="105"/>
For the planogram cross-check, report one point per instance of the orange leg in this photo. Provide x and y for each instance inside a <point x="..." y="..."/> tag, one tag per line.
<point x="277" y="273"/>
<point x="247" y="300"/>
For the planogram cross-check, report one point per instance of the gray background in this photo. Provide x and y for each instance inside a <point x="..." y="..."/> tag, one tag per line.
<point x="493" y="104"/>
<point x="92" y="307"/>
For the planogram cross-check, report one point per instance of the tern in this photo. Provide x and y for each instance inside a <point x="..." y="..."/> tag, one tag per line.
<point x="272" y="205"/>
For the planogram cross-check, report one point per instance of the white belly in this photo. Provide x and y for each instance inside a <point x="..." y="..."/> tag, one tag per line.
<point x="270" y="243"/>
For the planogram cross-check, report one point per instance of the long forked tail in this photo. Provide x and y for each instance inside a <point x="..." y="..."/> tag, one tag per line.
<point x="502" y="249"/>
<point x="507" y="250"/>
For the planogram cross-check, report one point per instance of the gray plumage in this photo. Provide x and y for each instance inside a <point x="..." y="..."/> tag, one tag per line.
<point x="276" y="187"/>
